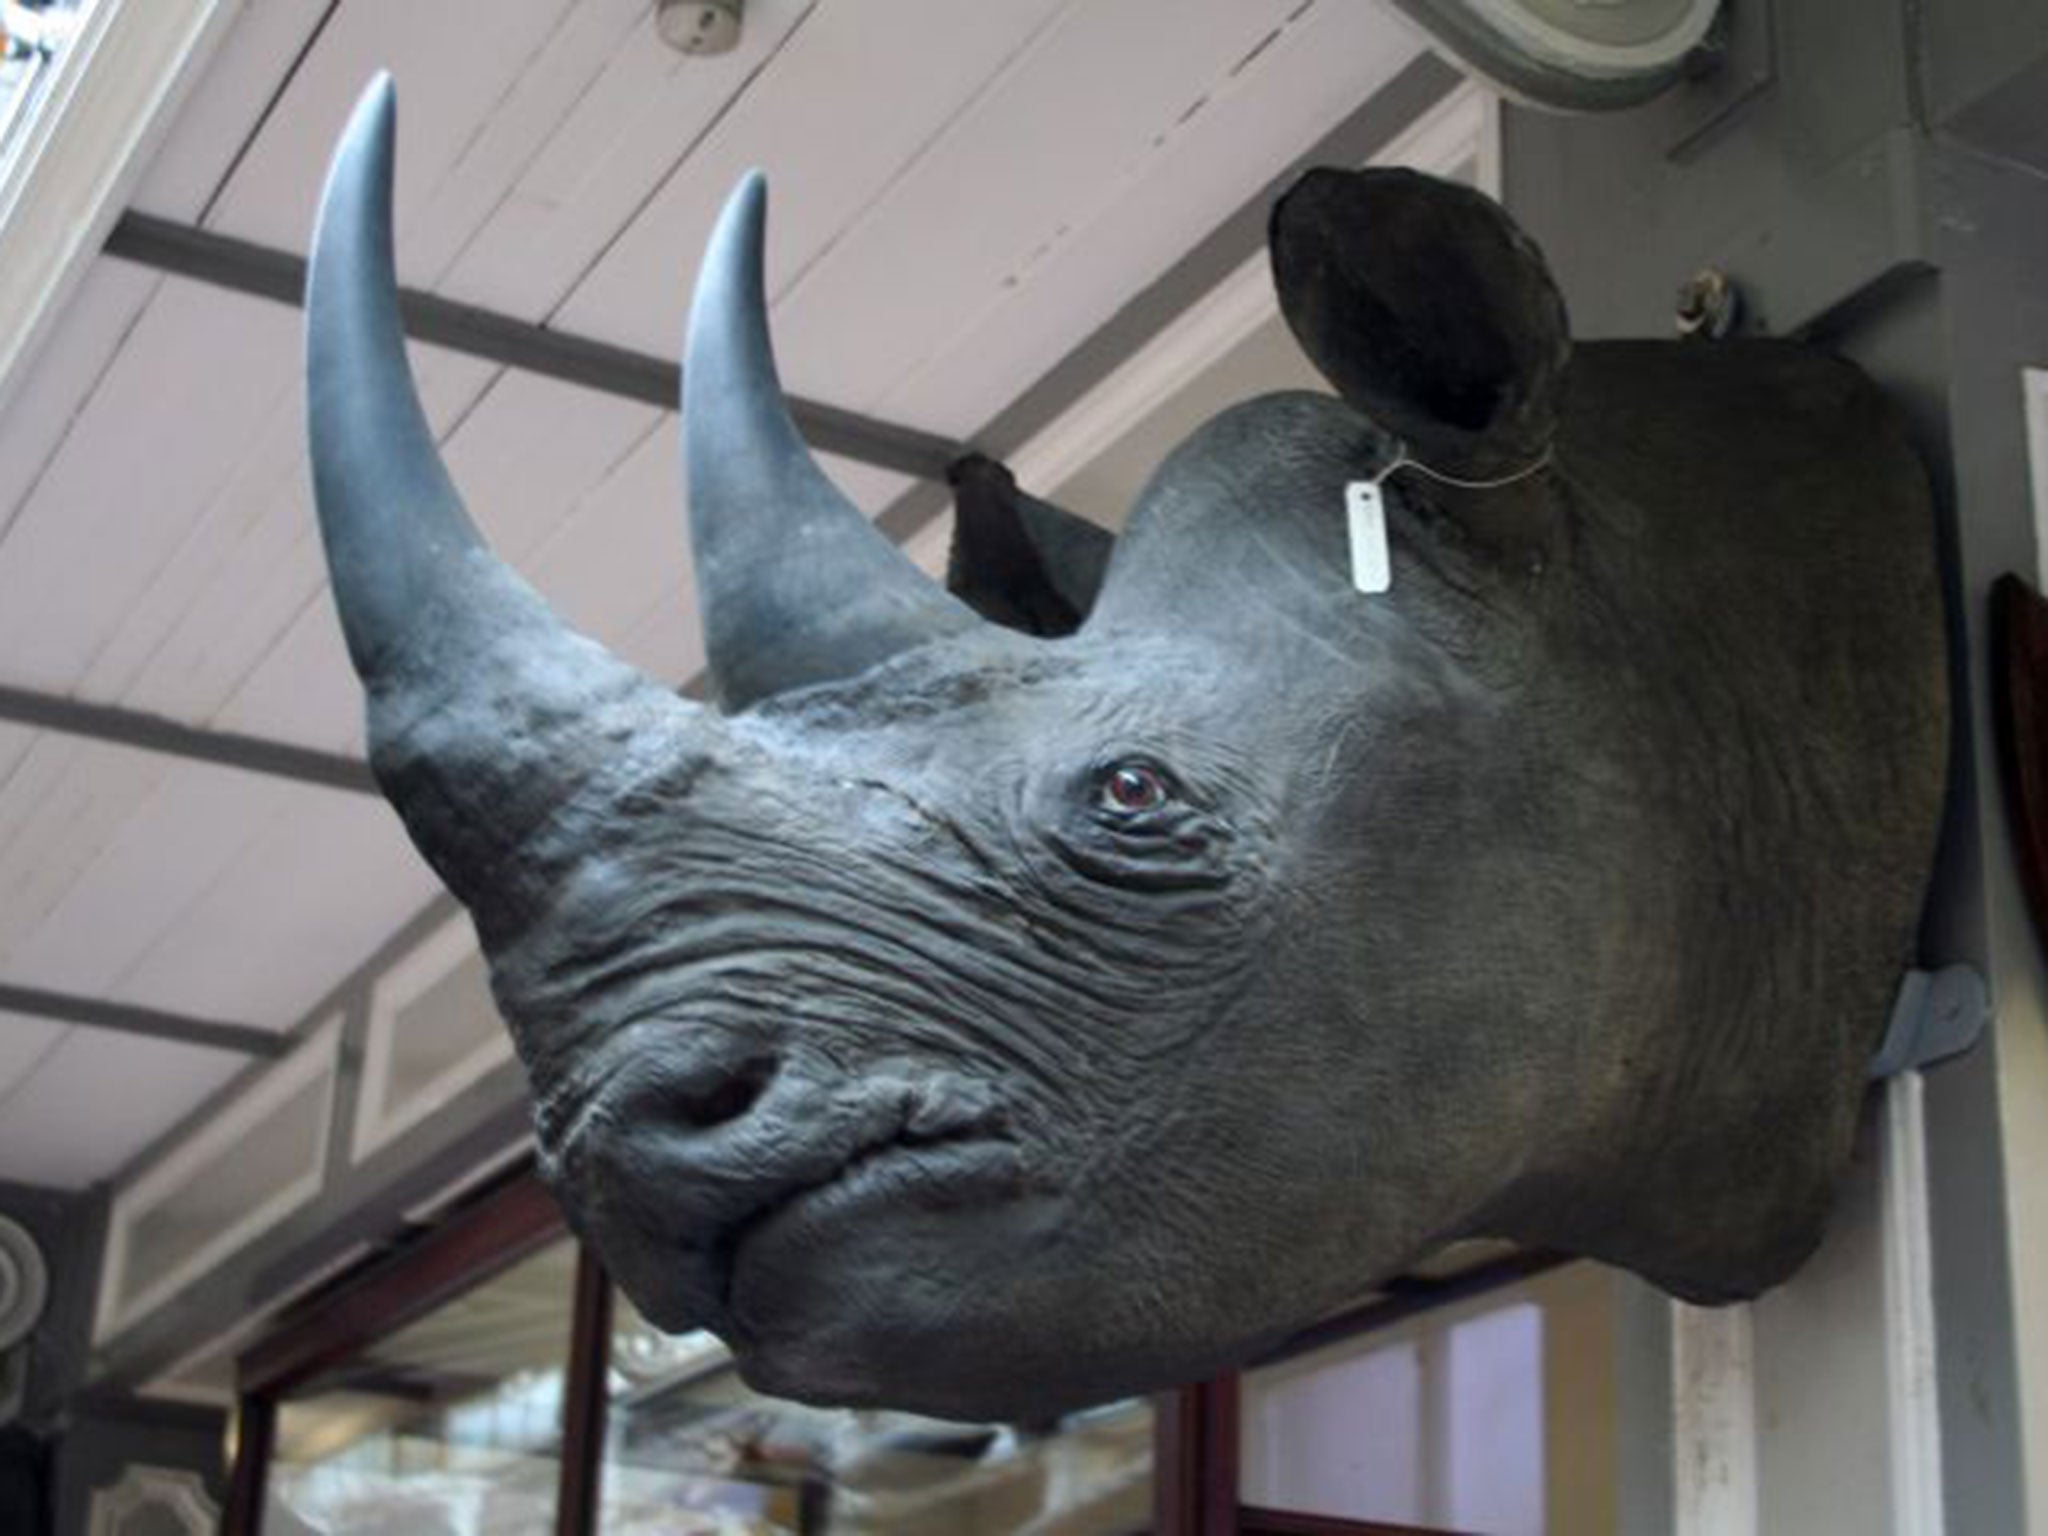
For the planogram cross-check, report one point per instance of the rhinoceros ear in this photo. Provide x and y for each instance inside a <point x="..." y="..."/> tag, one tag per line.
<point x="1428" y="310"/>
<point x="1017" y="561"/>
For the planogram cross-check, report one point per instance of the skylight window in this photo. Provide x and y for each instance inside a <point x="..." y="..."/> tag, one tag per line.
<point x="33" y="36"/>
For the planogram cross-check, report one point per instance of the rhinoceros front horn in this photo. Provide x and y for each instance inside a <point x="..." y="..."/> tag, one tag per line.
<point x="486" y="713"/>
<point x="795" y="585"/>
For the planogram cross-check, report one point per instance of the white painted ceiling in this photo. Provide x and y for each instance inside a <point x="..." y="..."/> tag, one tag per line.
<point x="961" y="192"/>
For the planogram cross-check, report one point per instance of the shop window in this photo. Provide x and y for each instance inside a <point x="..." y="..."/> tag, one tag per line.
<point x="1442" y="1427"/>
<point x="488" y="1379"/>
<point x="1495" y="1413"/>
<point x="451" y="1425"/>
<point x="689" y="1449"/>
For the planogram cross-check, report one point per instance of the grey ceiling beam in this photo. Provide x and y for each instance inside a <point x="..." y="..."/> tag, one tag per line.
<point x="153" y="733"/>
<point x="132" y="1019"/>
<point x="264" y="272"/>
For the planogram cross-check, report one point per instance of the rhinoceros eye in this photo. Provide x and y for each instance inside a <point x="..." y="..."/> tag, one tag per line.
<point x="1132" y="788"/>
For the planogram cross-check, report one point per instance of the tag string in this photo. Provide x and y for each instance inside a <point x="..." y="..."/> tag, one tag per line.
<point x="1404" y="460"/>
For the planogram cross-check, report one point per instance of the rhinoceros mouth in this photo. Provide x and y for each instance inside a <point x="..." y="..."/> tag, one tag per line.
<point x="803" y="1159"/>
<point x="924" y="1171"/>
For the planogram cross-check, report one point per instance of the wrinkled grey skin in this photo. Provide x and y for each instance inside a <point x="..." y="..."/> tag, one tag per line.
<point x="1558" y="893"/>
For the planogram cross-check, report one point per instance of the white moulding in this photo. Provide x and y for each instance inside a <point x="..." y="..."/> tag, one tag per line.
<point x="111" y="97"/>
<point x="122" y="1300"/>
<point x="386" y="1110"/>
<point x="1912" y="1371"/>
<point x="153" y="1499"/>
<point x="1713" y="1429"/>
<point x="2034" y="381"/>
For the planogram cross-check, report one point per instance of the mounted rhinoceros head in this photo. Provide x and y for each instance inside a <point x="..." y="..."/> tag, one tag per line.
<point x="981" y="1023"/>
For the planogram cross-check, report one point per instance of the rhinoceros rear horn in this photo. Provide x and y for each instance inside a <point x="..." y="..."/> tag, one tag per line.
<point x="482" y="704"/>
<point x="1427" y="309"/>
<point x="794" y="584"/>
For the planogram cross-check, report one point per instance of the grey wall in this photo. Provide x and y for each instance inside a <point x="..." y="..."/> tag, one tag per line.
<point x="67" y="1227"/>
<point x="1982" y="69"/>
<point x="105" y="1438"/>
<point x="1883" y="189"/>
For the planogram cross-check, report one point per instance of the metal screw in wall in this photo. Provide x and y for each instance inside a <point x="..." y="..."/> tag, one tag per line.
<point x="1709" y="304"/>
<point x="699" y="26"/>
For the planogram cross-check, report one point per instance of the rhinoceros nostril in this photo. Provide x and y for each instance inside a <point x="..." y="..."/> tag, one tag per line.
<point x="712" y="1099"/>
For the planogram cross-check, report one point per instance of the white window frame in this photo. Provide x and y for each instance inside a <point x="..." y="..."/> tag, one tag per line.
<point x="68" y="170"/>
<point x="2034" y="384"/>
<point x="319" y="1055"/>
<point x="378" y="1121"/>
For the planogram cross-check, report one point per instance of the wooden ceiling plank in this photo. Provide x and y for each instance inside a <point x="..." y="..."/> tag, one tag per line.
<point x="83" y="344"/>
<point x="1053" y="145"/>
<point x="163" y="856"/>
<point x="453" y="64"/>
<point x="930" y="547"/>
<point x="39" y="763"/>
<point x="63" y="810"/>
<point x="899" y="70"/>
<point x="301" y="689"/>
<point x="237" y="524"/>
<point x="532" y="448"/>
<point x="149" y="451"/>
<point x="613" y="150"/>
<point x="1176" y="187"/>
<point x="624" y="547"/>
<point x="223" y="540"/>
<point x="227" y="106"/>
<point x="271" y="580"/>
<point x="568" y="73"/>
<point x="290" y="918"/>
<point x="15" y="742"/>
<point x="25" y="1041"/>
<point x="183" y="651"/>
<point x="98" y="1099"/>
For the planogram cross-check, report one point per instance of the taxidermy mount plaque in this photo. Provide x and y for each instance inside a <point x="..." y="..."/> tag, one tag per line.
<point x="985" y="1022"/>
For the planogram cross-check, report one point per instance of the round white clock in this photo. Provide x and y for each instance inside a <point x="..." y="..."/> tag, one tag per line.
<point x="1572" y="54"/>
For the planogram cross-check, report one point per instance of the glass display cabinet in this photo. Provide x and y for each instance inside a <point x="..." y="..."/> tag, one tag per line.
<point x="485" y="1379"/>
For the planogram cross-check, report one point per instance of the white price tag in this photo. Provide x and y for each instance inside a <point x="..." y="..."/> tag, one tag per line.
<point x="1365" y="511"/>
